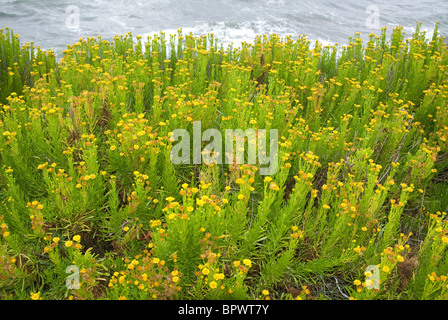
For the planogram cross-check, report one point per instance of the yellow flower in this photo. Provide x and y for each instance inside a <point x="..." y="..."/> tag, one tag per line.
<point x="386" y="269"/>
<point x="68" y="244"/>
<point x="175" y="279"/>
<point x="247" y="262"/>
<point x="35" y="295"/>
<point x="357" y="282"/>
<point x="240" y="197"/>
<point x="274" y="186"/>
<point x="205" y="186"/>
<point x="236" y="263"/>
<point x="77" y="238"/>
<point x="205" y="271"/>
<point x="213" y="285"/>
<point x="265" y="292"/>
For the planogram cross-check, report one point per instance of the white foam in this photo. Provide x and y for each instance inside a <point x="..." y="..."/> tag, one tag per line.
<point x="235" y="34"/>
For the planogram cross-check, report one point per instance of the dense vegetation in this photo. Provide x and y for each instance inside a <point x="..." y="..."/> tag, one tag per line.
<point x="86" y="177"/>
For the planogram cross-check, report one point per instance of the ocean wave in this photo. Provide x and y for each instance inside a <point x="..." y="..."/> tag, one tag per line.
<point x="235" y="34"/>
<point x="232" y="21"/>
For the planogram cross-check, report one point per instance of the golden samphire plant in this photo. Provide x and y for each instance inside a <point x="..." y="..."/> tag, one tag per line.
<point x="356" y="210"/>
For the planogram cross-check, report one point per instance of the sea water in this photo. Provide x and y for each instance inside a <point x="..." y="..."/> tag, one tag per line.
<point x="53" y="24"/>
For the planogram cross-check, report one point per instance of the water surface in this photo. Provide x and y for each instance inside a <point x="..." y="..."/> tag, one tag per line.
<point x="48" y="23"/>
